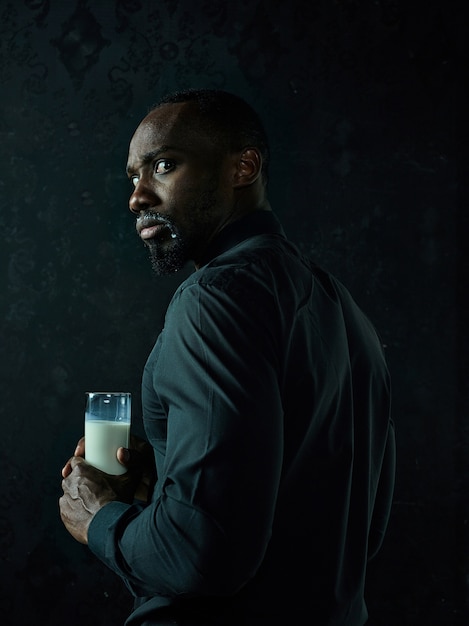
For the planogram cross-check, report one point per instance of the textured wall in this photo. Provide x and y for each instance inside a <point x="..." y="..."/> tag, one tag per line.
<point x="364" y="102"/>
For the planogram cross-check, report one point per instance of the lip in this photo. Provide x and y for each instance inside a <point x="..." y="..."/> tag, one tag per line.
<point x="149" y="228"/>
<point x="149" y="232"/>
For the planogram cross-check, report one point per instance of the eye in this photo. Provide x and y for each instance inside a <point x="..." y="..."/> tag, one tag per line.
<point x="163" y="166"/>
<point x="134" y="180"/>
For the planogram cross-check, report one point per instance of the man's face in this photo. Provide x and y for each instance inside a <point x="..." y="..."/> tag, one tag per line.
<point x="182" y="193"/>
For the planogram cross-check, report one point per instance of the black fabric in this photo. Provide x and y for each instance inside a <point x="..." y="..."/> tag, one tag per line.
<point x="266" y="399"/>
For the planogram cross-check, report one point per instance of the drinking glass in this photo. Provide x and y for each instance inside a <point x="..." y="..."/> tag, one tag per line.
<point x="107" y="428"/>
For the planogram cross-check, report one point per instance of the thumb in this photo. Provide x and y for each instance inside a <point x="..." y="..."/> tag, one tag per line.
<point x="129" y="458"/>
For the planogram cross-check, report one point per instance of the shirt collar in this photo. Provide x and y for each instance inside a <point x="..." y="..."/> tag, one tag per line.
<point x="257" y="222"/>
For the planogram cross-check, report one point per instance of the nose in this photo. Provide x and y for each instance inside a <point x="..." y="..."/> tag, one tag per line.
<point x="142" y="198"/>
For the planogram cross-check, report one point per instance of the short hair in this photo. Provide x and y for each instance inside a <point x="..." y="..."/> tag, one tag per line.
<point x="229" y="117"/>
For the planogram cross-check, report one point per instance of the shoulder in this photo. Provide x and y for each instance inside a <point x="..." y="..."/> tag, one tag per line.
<point x="246" y="277"/>
<point x="258" y="259"/>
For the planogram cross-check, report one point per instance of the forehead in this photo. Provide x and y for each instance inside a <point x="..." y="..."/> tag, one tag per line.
<point x="175" y="125"/>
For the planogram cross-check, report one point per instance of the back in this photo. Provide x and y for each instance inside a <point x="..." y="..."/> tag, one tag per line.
<point x="335" y="392"/>
<point x="266" y="399"/>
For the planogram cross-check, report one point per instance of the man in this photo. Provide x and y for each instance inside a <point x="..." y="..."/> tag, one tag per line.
<point x="265" y="402"/>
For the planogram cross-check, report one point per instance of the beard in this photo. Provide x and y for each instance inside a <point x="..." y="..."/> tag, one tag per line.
<point x="169" y="261"/>
<point x="167" y="251"/>
<point x="176" y="245"/>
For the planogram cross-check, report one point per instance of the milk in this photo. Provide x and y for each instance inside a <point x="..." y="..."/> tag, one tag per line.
<point x="102" y="438"/>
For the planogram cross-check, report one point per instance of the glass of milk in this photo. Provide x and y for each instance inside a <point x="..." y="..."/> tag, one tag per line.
<point x="107" y="428"/>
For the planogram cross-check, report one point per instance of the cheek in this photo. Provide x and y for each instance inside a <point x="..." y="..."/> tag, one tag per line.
<point x="180" y="190"/>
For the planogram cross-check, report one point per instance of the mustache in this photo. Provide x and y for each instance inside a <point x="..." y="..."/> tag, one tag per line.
<point x="150" y="218"/>
<point x="154" y="218"/>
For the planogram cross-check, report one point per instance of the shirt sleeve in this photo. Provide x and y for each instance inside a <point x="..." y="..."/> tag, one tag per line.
<point x="216" y="380"/>
<point x="384" y="494"/>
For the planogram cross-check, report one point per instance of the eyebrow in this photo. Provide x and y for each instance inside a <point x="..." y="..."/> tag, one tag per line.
<point x="148" y="157"/>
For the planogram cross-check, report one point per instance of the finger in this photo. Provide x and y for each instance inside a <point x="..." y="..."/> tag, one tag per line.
<point x="80" y="449"/>
<point x="67" y="468"/>
<point x="132" y="459"/>
<point x="124" y="456"/>
<point x="70" y="491"/>
<point x="75" y="461"/>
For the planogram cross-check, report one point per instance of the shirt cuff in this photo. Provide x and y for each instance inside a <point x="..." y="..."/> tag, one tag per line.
<point x="102" y="530"/>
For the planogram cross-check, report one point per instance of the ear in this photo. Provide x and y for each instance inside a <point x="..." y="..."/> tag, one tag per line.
<point x="248" y="167"/>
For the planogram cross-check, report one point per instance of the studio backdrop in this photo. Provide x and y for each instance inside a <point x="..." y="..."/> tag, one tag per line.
<point x="364" y="105"/>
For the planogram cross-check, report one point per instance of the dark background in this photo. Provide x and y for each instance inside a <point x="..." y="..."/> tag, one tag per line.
<point x="364" y="103"/>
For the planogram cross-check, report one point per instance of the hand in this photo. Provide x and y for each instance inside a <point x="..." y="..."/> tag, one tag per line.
<point x="86" y="490"/>
<point x="79" y="451"/>
<point x="138" y="455"/>
<point x="139" y="460"/>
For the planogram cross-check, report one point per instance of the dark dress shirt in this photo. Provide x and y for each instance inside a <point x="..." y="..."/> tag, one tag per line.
<point x="266" y="399"/>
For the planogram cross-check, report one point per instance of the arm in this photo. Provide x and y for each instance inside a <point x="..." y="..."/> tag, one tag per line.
<point x="384" y="494"/>
<point x="209" y="523"/>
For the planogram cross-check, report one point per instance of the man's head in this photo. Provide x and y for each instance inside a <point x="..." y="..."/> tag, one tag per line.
<point x="198" y="161"/>
<point x="228" y="119"/>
